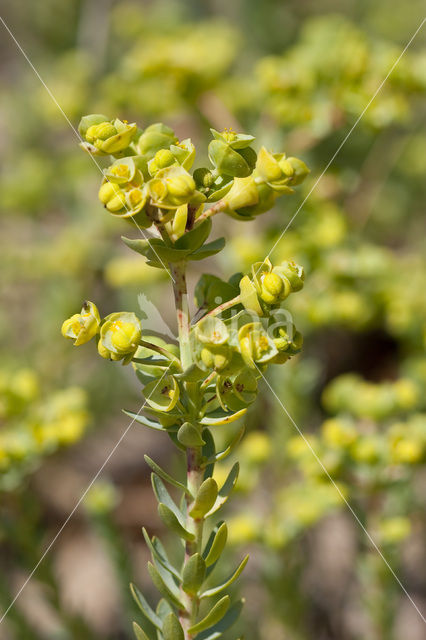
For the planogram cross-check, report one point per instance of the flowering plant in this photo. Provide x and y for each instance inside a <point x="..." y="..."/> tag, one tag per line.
<point x="209" y="377"/>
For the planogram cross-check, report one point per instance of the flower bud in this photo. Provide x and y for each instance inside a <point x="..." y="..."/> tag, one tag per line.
<point x="300" y="171"/>
<point x="83" y="326"/>
<point x="119" y="337"/>
<point x="243" y="193"/>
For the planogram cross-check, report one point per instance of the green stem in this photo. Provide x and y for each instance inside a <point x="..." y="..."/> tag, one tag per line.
<point x="219" y="207"/>
<point x="182" y="312"/>
<point x="194" y="454"/>
<point x="223" y="307"/>
<point x="161" y="350"/>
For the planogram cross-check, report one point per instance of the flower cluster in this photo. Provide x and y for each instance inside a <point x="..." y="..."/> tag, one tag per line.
<point x="150" y="178"/>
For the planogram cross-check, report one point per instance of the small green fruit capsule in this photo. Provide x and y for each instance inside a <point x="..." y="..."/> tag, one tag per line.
<point x="272" y="288"/>
<point x="101" y="131"/>
<point x="112" y="197"/>
<point x="162" y="159"/>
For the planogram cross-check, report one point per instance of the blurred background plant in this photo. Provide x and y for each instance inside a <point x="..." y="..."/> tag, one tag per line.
<point x="298" y="76"/>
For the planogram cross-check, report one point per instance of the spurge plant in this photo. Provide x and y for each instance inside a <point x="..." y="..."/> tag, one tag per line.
<point x="210" y="377"/>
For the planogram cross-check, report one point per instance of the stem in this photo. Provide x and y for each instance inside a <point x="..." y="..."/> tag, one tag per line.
<point x="208" y="213"/>
<point x="182" y="312"/>
<point x="223" y="307"/>
<point x="161" y="350"/>
<point x="195" y="473"/>
<point x="195" y="476"/>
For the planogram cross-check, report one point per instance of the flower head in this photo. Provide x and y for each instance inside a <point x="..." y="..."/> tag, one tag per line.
<point x="83" y="326"/>
<point x="119" y="336"/>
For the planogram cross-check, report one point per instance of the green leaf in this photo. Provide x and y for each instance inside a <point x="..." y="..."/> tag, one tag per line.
<point x="163" y="474"/>
<point x="227" y="621"/>
<point x="174" y="439"/>
<point x="192" y="374"/>
<point x="221" y="417"/>
<point x="163" y="608"/>
<point x="159" y="554"/>
<point x="157" y="253"/>
<point x="165" y="589"/>
<point x="213" y="617"/>
<point x="207" y="250"/>
<point x="139" y="633"/>
<point x="141" y="419"/>
<point x="205" y="499"/>
<point x="226" y="489"/>
<point x="195" y="238"/>
<point x="172" y="629"/>
<point x="221" y="455"/>
<point x="209" y="450"/>
<point x="221" y="587"/>
<point x="163" y="496"/>
<point x="145" y="608"/>
<point x="216" y="544"/>
<point x="193" y="574"/>
<point x="171" y="521"/>
<point x="190" y="436"/>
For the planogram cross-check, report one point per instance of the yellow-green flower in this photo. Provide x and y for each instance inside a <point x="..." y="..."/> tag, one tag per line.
<point x="83" y="326"/>
<point x="278" y="171"/>
<point x="105" y="137"/>
<point x="255" y="345"/>
<point x="119" y="337"/>
<point x="173" y="187"/>
<point x="243" y="193"/>
<point x="163" y="394"/>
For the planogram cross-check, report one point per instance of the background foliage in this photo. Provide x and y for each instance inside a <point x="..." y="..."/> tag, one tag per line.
<point x="296" y="75"/>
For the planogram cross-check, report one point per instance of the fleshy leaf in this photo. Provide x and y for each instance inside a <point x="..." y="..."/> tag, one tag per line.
<point x="205" y="499"/>
<point x="221" y="455"/>
<point x="208" y="249"/>
<point x="168" y="478"/>
<point x="193" y="574"/>
<point x="213" y="617"/>
<point x="216" y="544"/>
<point x="163" y="496"/>
<point x="221" y="587"/>
<point x="221" y="417"/>
<point x="190" y="436"/>
<point x="145" y="608"/>
<point x="227" y="621"/>
<point x="172" y="629"/>
<point x="194" y="239"/>
<point x="139" y="632"/>
<point x="226" y="489"/>
<point x="146" y="422"/>
<point x="159" y="554"/>
<point x="163" y="587"/>
<point x="171" y="521"/>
